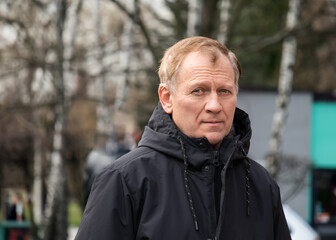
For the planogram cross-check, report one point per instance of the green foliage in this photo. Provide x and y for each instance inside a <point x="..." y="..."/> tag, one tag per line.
<point x="261" y="18"/>
<point x="257" y="20"/>
<point x="75" y="213"/>
<point x="260" y="69"/>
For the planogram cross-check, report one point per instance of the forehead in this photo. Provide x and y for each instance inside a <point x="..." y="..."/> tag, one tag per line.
<point x="206" y="59"/>
<point x="211" y="63"/>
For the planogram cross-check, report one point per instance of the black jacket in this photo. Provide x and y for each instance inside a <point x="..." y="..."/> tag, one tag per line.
<point x="173" y="187"/>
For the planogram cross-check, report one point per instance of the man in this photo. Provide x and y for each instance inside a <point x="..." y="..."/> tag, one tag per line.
<point x="190" y="177"/>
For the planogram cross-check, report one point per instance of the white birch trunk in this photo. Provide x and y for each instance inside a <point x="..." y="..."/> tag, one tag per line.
<point x="55" y="185"/>
<point x="224" y="20"/>
<point x="74" y="11"/>
<point x="194" y="17"/>
<point x="284" y="90"/>
<point x="104" y="114"/>
<point x="55" y="218"/>
<point x="74" y="19"/>
<point x="37" y="185"/>
<point x="125" y="60"/>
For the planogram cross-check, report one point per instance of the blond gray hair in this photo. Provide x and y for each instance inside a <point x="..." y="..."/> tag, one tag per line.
<point x="173" y="57"/>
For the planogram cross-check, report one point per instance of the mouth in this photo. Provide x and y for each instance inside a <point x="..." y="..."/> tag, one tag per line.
<point x="213" y="123"/>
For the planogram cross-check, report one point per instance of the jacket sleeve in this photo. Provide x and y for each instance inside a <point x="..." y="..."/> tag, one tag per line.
<point x="281" y="231"/>
<point x="109" y="211"/>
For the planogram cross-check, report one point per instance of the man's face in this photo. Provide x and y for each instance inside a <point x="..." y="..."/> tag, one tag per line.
<point x="205" y="97"/>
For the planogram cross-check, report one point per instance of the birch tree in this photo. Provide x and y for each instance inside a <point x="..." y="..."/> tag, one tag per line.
<point x="284" y="90"/>
<point x="105" y="127"/>
<point x="126" y="60"/>
<point x="104" y="113"/>
<point x="194" y="17"/>
<point x="224" y="17"/>
<point x="56" y="216"/>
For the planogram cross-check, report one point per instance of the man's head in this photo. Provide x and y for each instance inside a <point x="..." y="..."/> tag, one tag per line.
<point x="199" y="84"/>
<point x="174" y="56"/>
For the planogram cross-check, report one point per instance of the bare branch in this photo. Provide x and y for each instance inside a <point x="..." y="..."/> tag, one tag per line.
<point x="261" y="42"/>
<point x="48" y="104"/>
<point x="12" y="21"/>
<point x="136" y="18"/>
<point x="156" y="15"/>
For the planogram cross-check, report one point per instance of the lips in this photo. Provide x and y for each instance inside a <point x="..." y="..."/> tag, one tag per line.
<point x="213" y="122"/>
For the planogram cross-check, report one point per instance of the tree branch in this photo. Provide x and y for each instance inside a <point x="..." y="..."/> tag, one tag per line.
<point x="262" y="42"/>
<point x="136" y="18"/>
<point x="12" y="21"/>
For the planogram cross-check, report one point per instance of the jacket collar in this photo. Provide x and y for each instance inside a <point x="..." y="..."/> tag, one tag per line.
<point x="162" y="135"/>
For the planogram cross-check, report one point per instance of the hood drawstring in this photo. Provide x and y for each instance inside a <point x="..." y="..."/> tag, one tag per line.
<point x="186" y="184"/>
<point x="187" y="187"/>
<point x="247" y="185"/>
<point x="247" y="181"/>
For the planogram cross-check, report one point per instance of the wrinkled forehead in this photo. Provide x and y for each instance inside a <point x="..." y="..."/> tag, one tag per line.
<point x="212" y="52"/>
<point x="204" y="59"/>
<point x="201" y="66"/>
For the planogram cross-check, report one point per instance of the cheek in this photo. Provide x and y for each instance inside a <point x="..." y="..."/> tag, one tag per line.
<point x="186" y="115"/>
<point x="230" y="102"/>
<point x="184" y="105"/>
<point x="230" y="108"/>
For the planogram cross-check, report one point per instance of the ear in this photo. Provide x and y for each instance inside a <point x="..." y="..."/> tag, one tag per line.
<point x="165" y="98"/>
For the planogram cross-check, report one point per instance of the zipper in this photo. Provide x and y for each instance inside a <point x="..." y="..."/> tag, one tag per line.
<point x="216" y="174"/>
<point x="219" y="224"/>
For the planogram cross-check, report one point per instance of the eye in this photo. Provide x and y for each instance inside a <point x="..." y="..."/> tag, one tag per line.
<point x="224" y="91"/>
<point x="197" y="91"/>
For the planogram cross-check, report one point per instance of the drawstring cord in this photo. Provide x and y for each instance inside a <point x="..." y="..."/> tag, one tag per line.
<point x="186" y="184"/>
<point x="247" y="186"/>
<point x="247" y="181"/>
<point x="187" y="187"/>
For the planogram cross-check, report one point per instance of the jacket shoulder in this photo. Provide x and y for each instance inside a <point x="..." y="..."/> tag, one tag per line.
<point x="129" y="162"/>
<point x="131" y="156"/>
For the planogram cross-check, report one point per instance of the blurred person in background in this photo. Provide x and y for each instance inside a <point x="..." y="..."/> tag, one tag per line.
<point x="15" y="209"/>
<point x="190" y="177"/>
<point x="117" y="145"/>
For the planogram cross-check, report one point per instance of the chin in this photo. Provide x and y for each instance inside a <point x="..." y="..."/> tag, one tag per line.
<point x="215" y="140"/>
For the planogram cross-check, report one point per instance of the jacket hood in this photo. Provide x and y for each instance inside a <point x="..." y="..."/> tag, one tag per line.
<point x="161" y="129"/>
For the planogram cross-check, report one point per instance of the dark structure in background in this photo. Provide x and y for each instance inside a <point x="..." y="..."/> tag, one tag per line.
<point x="323" y="153"/>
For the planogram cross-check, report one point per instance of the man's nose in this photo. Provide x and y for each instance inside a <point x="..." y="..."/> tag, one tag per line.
<point x="213" y="103"/>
